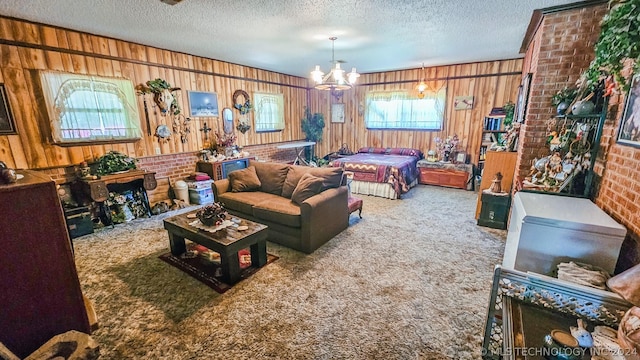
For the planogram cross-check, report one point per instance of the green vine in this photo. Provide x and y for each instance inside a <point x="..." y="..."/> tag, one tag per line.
<point x="619" y="40"/>
<point x="509" y="108"/>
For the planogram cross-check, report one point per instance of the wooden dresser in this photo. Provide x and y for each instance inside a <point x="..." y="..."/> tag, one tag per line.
<point x="41" y="295"/>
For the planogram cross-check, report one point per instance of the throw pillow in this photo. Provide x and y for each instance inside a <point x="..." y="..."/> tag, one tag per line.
<point x="308" y="186"/>
<point x="271" y="175"/>
<point x="332" y="178"/>
<point x="244" y="180"/>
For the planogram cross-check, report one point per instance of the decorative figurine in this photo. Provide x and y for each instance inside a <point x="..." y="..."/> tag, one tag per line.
<point x="496" y="183"/>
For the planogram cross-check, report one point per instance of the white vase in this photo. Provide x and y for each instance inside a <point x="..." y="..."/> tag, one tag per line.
<point x="128" y="215"/>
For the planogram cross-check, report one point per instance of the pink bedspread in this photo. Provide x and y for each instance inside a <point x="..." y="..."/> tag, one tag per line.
<point x="397" y="170"/>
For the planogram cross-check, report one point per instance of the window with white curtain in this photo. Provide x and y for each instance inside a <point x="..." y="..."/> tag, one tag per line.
<point x="269" y="111"/>
<point x="86" y="108"/>
<point x="400" y="110"/>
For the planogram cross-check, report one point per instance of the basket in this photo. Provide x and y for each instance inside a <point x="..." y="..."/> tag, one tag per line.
<point x="629" y="334"/>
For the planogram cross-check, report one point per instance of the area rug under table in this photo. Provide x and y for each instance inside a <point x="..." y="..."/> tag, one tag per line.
<point x="209" y="272"/>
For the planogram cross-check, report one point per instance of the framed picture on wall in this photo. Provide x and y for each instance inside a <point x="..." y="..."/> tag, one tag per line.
<point x="203" y="104"/>
<point x="629" y="131"/>
<point x="523" y="99"/>
<point x="7" y="126"/>
<point x="337" y="113"/>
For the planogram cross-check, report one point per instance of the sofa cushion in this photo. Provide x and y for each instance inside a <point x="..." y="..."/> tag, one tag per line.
<point x="271" y="175"/>
<point x="281" y="211"/>
<point x="245" y="201"/>
<point x="332" y="178"/>
<point x="244" y="180"/>
<point x="308" y="186"/>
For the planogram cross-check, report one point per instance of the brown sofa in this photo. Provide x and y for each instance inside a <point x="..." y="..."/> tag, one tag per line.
<point x="317" y="213"/>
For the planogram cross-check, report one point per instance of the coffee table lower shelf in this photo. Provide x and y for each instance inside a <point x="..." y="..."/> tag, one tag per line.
<point x="226" y="242"/>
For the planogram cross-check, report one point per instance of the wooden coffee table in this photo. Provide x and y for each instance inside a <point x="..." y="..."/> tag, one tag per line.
<point x="226" y="242"/>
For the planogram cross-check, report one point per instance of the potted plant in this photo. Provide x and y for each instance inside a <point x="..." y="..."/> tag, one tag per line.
<point x="563" y="98"/>
<point x="113" y="162"/>
<point x="312" y="125"/>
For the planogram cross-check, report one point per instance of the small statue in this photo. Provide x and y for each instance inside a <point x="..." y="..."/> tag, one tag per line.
<point x="496" y="183"/>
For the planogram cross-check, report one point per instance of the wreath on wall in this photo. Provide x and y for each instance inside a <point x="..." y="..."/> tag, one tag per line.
<point x="245" y="106"/>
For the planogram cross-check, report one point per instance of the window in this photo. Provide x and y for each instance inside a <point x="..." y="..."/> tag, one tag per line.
<point x="269" y="111"/>
<point x="398" y="110"/>
<point x="90" y="108"/>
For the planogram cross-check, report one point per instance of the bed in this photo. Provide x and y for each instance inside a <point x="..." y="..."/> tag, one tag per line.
<point x="384" y="172"/>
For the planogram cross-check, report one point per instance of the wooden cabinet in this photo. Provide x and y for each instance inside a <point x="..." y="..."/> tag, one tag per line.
<point x="40" y="292"/>
<point x="497" y="161"/>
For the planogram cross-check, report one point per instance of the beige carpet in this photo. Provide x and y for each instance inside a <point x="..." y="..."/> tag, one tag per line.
<point x="409" y="281"/>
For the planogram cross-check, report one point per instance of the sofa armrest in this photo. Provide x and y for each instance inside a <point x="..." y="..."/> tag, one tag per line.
<point x="220" y="187"/>
<point x="324" y="216"/>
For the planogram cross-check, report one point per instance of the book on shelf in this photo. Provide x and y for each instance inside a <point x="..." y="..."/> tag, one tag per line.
<point x="497" y="111"/>
<point x="493" y="123"/>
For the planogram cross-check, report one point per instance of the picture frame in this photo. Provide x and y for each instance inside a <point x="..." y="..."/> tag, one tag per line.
<point x="523" y="99"/>
<point x="463" y="103"/>
<point x="203" y="104"/>
<point x="461" y="158"/>
<point x="7" y="125"/>
<point x="629" y="129"/>
<point x="337" y="113"/>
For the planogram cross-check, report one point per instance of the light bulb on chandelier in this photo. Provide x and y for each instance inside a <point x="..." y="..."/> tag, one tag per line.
<point x="335" y="79"/>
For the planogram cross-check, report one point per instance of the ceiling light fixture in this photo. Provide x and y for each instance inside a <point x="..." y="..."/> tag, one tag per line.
<point x="422" y="87"/>
<point x="335" y="80"/>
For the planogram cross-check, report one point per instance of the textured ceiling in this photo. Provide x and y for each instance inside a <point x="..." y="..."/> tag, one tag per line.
<point x="291" y="36"/>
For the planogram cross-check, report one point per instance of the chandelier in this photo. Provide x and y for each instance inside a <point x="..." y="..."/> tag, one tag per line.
<point x="335" y="79"/>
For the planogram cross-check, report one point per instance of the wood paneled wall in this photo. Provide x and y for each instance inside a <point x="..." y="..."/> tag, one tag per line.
<point x="26" y="48"/>
<point x="491" y="83"/>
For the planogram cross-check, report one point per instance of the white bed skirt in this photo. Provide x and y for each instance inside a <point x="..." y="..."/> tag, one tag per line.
<point x="384" y="190"/>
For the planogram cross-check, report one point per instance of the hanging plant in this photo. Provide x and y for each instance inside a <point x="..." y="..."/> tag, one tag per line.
<point x="245" y="105"/>
<point x="619" y="40"/>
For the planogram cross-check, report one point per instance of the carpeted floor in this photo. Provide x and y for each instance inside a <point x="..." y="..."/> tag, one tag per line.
<point x="410" y="280"/>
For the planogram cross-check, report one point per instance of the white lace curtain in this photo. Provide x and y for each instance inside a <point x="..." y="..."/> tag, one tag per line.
<point x="401" y="110"/>
<point x="85" y="108"/>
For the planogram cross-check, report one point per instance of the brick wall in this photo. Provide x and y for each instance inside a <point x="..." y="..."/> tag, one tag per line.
<point x="559" y="52"/>
<point x="618" y="191"/>
<point x="173" y="167"/>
